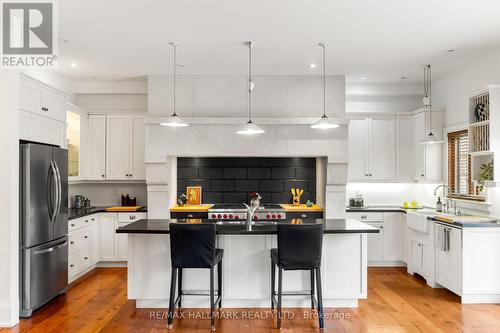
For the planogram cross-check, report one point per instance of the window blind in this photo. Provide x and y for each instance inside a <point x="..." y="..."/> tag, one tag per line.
<point x="459" y="164"/>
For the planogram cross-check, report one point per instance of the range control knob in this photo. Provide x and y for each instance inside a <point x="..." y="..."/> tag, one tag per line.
<point x="236" y="217"/>
<point x="256" y="217"/>
<point x="219" y="216"/>
<point x="279" y="216"/>
<point x="231" y="216"/>
<point x="224" y="216"/>
<point x="274" y="216"/>
<point x="268" y="216"/>
<point x="214" y="216"/>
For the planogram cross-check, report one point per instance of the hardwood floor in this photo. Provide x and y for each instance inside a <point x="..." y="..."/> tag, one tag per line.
<point x="396" y="302"/>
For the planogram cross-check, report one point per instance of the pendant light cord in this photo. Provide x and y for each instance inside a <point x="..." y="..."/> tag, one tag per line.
<point x="175" y="72"/>
<point x="429" y="93"/>
<point x="324" y="79"/>
<point x="249" y="82"/>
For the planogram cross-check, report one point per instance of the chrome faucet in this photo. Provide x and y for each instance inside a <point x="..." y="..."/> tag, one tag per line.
<point x="442" y="185"/>
<point x="250" y="211"/>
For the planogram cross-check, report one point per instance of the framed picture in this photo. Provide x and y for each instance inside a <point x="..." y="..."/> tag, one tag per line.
<point x="194" y="195"/>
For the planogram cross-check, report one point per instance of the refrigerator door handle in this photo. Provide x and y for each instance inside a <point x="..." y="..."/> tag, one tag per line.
<point x="58" y="190"/>
<point x="53" y="248"/>
<point x="53" y="194"/>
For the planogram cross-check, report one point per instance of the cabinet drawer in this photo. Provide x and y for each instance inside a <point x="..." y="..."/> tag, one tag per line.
<point x="131" y="217"/>
<point x="189" y="215"/>
<point x="79" y="239"/>
<point x="362" y="216"/>
<point x="79" y="261"/>
<point x="304" y="215"/>
<point x="80" y="222"/>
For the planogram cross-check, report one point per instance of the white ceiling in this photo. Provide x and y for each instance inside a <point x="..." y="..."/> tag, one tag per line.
<point x="380" y="40"/>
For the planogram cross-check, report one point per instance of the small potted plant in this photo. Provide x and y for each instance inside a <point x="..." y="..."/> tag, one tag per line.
<point x="485" y="174"/>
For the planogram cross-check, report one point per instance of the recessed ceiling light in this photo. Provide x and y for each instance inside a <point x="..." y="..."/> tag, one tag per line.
<point x="404" y="77"/>
<point x="312" y="66"/>
<point x="450" y="50"/>
<point x="363" y="78"/>
<point x="73" y="64"/>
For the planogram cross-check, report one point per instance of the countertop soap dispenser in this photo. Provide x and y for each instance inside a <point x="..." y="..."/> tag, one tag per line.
<point x="439" y="205"/>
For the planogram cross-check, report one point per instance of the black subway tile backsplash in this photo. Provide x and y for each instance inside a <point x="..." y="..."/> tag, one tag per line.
<point x="232" y="179"/>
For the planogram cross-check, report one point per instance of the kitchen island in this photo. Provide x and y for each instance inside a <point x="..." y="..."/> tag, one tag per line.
<point x="246" y="264"/>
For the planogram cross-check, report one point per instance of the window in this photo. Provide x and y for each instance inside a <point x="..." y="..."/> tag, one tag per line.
<point x="459" y="166"/>
<point x="73" y="139"/>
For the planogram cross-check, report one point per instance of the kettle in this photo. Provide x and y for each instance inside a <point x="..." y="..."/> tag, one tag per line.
<point x="79" y="201"/>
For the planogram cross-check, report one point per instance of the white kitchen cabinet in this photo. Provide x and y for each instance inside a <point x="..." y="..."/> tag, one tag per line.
<point x="372" y="149"/>
<point x="96" y="157"/>
<point x="41" y="99"/>
<point x="76" y="138"/>
<point x="125" y="147"/>
<point x="420" y="257"/>
<point x="83" y="242"/>
<point x="33" y="127"/>
<point x="358" y="150"/>
<point x="449" y="258"/>
<point x="376" y="243"/>
<point x="108" y="237"/>
<point x="428" y="158"/>
<point x="394" y="229"/>
<point x="121" y="241"/>
<point x="405" y="157"/>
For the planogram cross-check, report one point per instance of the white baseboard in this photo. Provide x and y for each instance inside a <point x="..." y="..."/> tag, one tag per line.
<point x="386" y="263"/>
<point x="481" y="299"/>
<point x="203" y="302"/>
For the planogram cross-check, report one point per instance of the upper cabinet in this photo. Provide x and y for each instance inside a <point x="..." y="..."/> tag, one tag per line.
<point x="372" y="149"/>
<point x="405" y="157"/>
<point x="76" y="135"/>
<point x="96" y="161"/>
<point x="428" y="157"/>
<point x="42" y="100"/>
<point x="42" y="113"/>
<point x="116" y="147"/>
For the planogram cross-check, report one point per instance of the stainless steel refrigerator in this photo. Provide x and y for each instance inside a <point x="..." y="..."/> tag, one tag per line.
<point x="43" y="225"/>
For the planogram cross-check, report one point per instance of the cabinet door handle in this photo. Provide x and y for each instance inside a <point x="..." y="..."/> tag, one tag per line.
<point x="71" y="265"/>
<point x="85" y="237"/>
<point x="85" y="258"/>
<point x="86" y="221"/>
<point x="102" y="176"/>
<point x="72" y="224"/>
<point x="303" y="216"/>
<point x="72" y="242"/>
<point x="132" y="217"/>
<point x="381" y="227"/>
<point x="190" y="215"/>
<point x="364" y="216"/>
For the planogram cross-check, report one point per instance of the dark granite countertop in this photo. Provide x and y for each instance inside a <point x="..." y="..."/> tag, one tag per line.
<point x="161" y="226"/>
<point x="380" y="209"/>
<point x="74" y="213"/>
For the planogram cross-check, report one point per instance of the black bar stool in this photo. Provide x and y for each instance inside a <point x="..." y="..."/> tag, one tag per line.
<point x="193" y="246"/>
<point x="299" y="248"/>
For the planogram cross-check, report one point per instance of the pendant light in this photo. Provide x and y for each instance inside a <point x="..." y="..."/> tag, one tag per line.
<point x="250" y="128"/>
<point x="174" y="120"/>
<point x="430" y="138"/>
<point x="324" y="122"/>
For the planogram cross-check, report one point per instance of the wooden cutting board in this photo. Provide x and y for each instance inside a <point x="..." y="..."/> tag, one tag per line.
<point x="301" y="208"/>
<point x="463" y="219"/>
<point x="123" y="208"/>
<point x="191" y="208"/>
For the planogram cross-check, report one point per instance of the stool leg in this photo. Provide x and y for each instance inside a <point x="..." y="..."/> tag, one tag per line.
<point x="212" y="305"/>
<point x="219" y="282"/>
<point x="170" y="319"/>
<point x="179" y="288"/>
<point x="280" y="285"/>
<point x="273" y="283"/>
<point x="320" y="299"/>
<point x="312" y="288"/>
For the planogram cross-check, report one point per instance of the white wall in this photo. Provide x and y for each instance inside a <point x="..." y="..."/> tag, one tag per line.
<point x="452" y="90"/>
<point x="112" y="103"/>
<point x="393" y="193"/>
<point x="226" y="96"/>
<point x="9" y="197"/>
<point x="106" y="194"/>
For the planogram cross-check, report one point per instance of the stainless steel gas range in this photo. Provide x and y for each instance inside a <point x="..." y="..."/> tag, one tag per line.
<point x="239" y="212"/>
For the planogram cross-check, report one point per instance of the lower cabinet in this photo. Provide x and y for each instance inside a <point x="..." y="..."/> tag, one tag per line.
<point x="420" y="257"/>
<point x="93" y="239"/>
<point x="386" y="247"/>
<point x="304" y="215"/>
<point x="449" y="258"/>
<point x="83" y="245"/>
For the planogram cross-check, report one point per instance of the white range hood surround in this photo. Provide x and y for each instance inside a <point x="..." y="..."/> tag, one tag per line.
<point x="215" y="107"/>
<point x="217" y="138"/>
